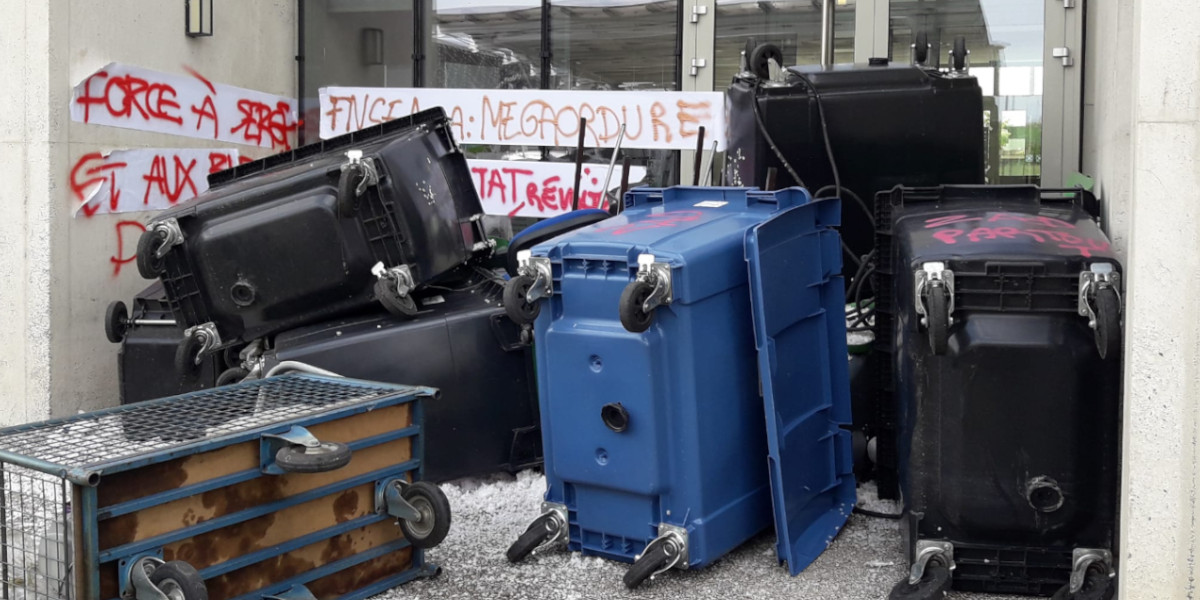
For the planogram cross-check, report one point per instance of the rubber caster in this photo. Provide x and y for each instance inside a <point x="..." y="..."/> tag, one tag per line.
<point x="347" y="190"/>
<point x="434" y="523"/>
<point x="541" y="531"/>
<point x="179" y="580"/>
<point x="401" y="306"/>
<point x="654" y="560"/>
<point x="149" y="264"/>
<point x="231" y="376"/>
<point x="116" y="322"/>
<point x="328" y="456"/>
<point x="958" y="55"/>
<point x="938" y="320"/>
<point x="1108" y="322"/>
<point x="935" y="583"/>
<point x="634" y="317"/>
<point x="760" y="60"/>
<point x="921" y="48"/>
<point x="189" y="355"/>
<point x="1097" y="585"/>
<point x="516" y="303"/>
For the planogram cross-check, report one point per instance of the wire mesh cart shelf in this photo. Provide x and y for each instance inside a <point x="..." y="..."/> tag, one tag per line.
<point x="293" y="487"/>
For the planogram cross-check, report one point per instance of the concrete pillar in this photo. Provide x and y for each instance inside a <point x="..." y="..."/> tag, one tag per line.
<point x="1162" y="364"/>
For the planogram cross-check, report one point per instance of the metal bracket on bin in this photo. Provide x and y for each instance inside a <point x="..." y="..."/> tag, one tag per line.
<point x="558" y="513"/>
<point x="933" y="275"/>
<point x="271" y="443"/>
<point x="209" y="338"/>
<point x="389" y="498"/>
<point x="370" y="173"/>
<point x="134" y="577"/>
<point x="926" y="551"/>
<point x="1081" y="559"/>
<point x="400" y="277"/>
<point x="657" y="274"/>
<point x="537" y="267"/>
<point x="171" y="233"/>
<point x="674" y="540"/>
<point x="1097" y="277"/>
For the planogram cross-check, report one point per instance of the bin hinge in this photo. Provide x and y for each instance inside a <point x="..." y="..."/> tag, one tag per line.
<point x="537" y="267"/>
<point x="697" y="12"/>
<point x="657" y="274"/>
<point x="697" y="64"/>
<point x="1064" y="53"/>
<point x="927" y="279"/>
<point x="1068" y="3"/>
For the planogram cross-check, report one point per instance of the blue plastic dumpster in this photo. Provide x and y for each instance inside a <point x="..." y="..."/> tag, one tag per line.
<point x="658" y="450"/>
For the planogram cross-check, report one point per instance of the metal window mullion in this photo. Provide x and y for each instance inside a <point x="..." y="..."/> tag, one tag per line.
<point x="872" y="30"/>
<point x="696" y="41"/>
<point x="1061" y="93"/>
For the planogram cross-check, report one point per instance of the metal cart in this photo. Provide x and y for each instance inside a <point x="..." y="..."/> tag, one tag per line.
<point x="292" y="487"/>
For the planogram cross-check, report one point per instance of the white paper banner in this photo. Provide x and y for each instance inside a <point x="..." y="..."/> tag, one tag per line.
<point x="653" y="120"/>
<point x="541" y="189"/>
<point x="189" y="105"/>
<point x="144" y="179"/>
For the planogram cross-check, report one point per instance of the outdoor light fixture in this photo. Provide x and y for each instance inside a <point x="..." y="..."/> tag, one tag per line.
<point x="199" y="18"/>
<point x="372" y="46"/>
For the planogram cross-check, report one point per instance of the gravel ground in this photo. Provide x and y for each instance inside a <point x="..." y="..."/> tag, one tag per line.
<point x="863" y="562"/>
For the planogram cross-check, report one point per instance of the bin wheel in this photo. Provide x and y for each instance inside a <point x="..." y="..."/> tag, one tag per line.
<point x="179" y="580"/>
<point x="231" y="376"/>
<point x="934" y="584"/>
<point x="760" y="59"/>
<point x="1108" y="322"/>
<point x="540" y="530"/>
<point x="149" y="265"/>
<point x="401" y="306"/>
<point x="649" y="564"/>
<point x="937" y="317"/>
<point x="516" y="303"/>
<point x="347" y="198"/>
<point x="958" y="55"/>
<point x="633" y="298"/>
<point x="1097" y="585"/>
<point x="115" y="321"/>
<point x="301" y="459"/>
<point x="921" y="50"/>
<point x="187" y="355"/>
<point x="434" y="524"/>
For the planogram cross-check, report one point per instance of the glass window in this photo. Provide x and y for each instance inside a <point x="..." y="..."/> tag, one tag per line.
<point x="617" y="45"/>
<point x="490" y="44"/>
<point x="354" y="43"/>
<point x="1005" y="38"/>
<point x="793" y="25"/>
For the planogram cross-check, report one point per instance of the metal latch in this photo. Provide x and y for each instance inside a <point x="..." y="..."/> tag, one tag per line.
<point x="1081" y="559"/>
<point x="539" y="268"/>
<point x="401" y="277"/>
<point x="1065" y="54"/>
<point x="370" y="174"/>
<point x="657" y="274"/>
<point x="171" y="234"/>
<point x="933" y="275"/>
<point x="926" y="551"/>
<point x="1097" y="277"/>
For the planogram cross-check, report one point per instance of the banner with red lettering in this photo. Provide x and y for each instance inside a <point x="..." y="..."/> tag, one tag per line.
<point x="541" y="189"/>
<point x="144" y="179"/>
<point x="189" y="105"/>
<point x="653" y="120"/>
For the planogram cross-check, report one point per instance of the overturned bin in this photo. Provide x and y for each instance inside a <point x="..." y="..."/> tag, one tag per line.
<point x="294" y="487"/>
<point x="657" y="450"/>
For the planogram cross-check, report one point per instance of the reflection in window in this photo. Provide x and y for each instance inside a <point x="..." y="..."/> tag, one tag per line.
<point x="492" y="45"/>
<point x="616" y="45"/>
<point x="793" y="25"/>
<point x="354" y="43"/>
<point x="1005" y="40"/>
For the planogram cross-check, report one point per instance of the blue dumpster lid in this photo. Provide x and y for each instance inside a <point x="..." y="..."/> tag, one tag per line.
<point x="797" y="299"/>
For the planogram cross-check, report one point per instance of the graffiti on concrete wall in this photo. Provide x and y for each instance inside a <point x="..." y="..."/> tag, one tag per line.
<point x="144" y="179"/>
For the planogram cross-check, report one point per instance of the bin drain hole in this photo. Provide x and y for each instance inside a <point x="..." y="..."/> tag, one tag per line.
<point x="615" y="417"/>
<point x="242" y="293"/>
<point x="1043" y="494"/>
<point x="601" y="456"/>
<point x="596" y="363"/>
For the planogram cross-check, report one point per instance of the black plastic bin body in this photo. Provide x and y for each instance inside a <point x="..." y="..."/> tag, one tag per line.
<point x="145" y="362"/>
<point x="1007" y="443"/>
<point x="486" y="419"/>
<point x="888" y="125"/>
<point x="266" y="248"/>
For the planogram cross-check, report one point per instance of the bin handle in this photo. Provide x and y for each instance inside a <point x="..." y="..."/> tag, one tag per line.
<point x="784" y="199"/>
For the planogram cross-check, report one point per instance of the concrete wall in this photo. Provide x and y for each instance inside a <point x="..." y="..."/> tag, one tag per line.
<point x="1142" y="141"/>
<point x="56" y="276"/>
